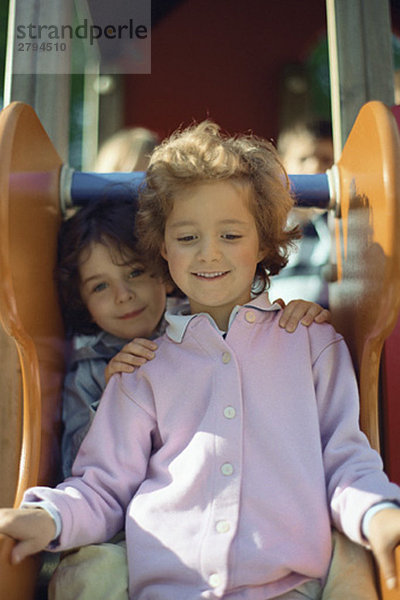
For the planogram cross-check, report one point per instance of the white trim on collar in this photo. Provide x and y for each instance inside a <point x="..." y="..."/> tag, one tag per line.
<point x="179" y="318"/>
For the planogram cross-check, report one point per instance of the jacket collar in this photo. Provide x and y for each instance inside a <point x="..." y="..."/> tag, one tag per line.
<point x="179" y="318"/>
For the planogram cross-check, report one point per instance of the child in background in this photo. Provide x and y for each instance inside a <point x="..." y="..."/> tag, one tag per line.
<point x="228" y="456"/>
<point x="108" y="297"/>
<point x="126" y="150"/>
<point x="306" y="148"/>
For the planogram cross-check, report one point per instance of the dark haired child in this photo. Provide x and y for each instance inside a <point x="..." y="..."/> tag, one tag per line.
<point x="108" y="297"/>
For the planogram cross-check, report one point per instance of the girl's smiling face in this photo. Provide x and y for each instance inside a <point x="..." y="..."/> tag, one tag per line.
<point x="212" y="247"/>
<point x="123" y="299"/>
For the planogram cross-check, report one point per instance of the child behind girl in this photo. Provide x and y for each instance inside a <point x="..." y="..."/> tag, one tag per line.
<point x="108" y="296"/>
<point x="228" y="456"/>
<point x="114" y="308"/>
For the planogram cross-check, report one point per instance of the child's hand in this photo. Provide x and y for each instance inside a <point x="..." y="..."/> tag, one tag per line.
<point x="302" y="311"/>
<point x="384" y="536"/>
<point x="134" y="354"/>
<point x="32" y="528"/>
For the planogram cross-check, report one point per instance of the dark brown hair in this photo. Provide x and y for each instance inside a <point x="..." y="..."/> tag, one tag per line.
<point x="106" y="221"/>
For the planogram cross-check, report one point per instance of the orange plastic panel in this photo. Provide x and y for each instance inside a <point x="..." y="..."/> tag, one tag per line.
<point x="365" y="299"/>
<point x="390" y="373"/>
<point x="29" y="315"/>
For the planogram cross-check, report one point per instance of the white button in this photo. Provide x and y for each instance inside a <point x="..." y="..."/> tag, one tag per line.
<point x="229" y="412"/>
<point x="223" y="526"/>
<point x="250" y="316"/>
<point x="227" y="469"/>
<point x="214" y="580"/>
<point x="226" y="357"/>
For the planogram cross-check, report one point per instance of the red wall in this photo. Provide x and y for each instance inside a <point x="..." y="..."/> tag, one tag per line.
<point x="222" y="59"/>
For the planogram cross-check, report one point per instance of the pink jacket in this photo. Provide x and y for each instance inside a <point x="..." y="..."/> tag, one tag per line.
<point x="228" y="460"/>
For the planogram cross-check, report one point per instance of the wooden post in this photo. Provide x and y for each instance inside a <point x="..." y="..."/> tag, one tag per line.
<point x="47" y="93"/>
<point x="361" y="61"/>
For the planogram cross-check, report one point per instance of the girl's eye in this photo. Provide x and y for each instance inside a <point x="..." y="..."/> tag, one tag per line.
<point x="231" y="236"/>
<point x="99" y="287"/>
<point x="186" y="238"/>
<point x="136" y="273"/>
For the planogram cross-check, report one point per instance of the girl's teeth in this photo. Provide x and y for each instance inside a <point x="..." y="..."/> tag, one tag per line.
<point x="210" y="275"/>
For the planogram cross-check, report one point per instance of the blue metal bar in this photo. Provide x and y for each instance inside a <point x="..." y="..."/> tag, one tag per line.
<point x="309" y="190"/>
<point x="86" y="187"/>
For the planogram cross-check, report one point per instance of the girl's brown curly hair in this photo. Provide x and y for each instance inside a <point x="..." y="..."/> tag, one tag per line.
<point x="203" y="154"/>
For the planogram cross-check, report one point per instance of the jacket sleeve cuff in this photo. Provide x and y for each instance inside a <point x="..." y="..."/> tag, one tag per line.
<point x="371" y="512"/>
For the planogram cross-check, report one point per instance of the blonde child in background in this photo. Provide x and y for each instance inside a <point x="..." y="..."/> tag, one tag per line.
<point x="228" y="456"/>
<point x="126" y="150"/>
<point x="306" y="148"/>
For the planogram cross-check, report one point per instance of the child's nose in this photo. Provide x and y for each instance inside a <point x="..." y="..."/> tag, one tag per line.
<point x="123" y="293"/>
<point x="209" y="250"/>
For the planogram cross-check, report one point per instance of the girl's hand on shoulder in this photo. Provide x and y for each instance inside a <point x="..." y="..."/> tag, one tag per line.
<point x="302" y="311"/>
<point x="384" y="536"/>
<point x="133" y="355"/>
<point x="32" y="529"/>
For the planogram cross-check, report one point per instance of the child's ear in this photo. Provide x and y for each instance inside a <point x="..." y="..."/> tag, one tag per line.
<point x="262" y="253"/>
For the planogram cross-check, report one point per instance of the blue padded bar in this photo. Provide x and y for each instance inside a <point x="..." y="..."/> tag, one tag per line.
<point x="309" y="190"/>
<point x="86" y="187"/>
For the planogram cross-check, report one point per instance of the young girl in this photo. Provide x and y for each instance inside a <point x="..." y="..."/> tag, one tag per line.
<point x="229" y="454"/>
<point x="108" y="296"/>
